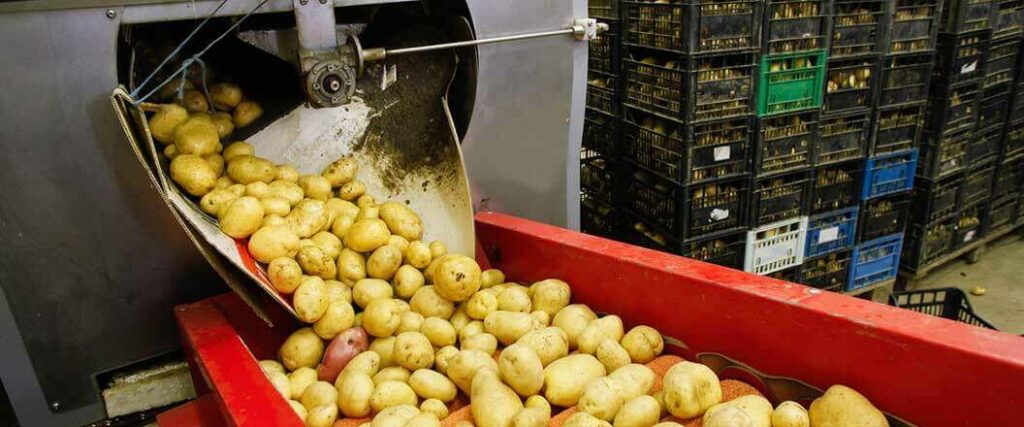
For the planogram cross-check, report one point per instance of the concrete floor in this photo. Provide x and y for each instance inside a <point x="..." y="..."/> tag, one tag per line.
<point x="1001" y="272"/>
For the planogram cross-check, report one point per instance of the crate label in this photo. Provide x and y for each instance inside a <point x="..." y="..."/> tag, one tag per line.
<point x="775" y="253"/>
<point x="969" y="68"/>
<point x="722" y="153"/>
<point x="719" y="214"/>
<point x="969" y="236"/>
<point x="828" y="235"/>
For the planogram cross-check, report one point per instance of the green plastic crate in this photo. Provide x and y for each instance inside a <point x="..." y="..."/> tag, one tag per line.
<point x="790" y="90"/>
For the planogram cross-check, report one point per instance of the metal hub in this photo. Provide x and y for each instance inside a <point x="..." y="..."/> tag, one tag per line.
<point x="330" y="84"/>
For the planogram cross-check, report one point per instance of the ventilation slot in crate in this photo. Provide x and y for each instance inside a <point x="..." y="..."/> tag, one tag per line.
<point x="775" y="247"/>
<point x="874" y="261"/>
<point x="831" y="232"/>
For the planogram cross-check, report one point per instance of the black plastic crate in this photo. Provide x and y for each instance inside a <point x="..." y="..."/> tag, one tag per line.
<point x="1002" y="213"/>
<point x="896" y="129"/>
<point x="943" y="155"/>
<point x="600" y="132"/>
<point x="1017" y="102"/>
<point x="779" y="197"/>
<point x="1008" y="179"/>
<point x="603" y="94"/>
<point x="597" y="178"/>
<point x="784" y="142"/>
<point x="843" y="138"/>
<point x="605" y="53"/>
<point x="953" y="108"/>
<point x="794" y="25"/>
<point x="927" y="242"/>
<point x="1009" y="19"/>
<point x="949" y="303"/>
<point x="977" y="185"/>
<point x="913" y="26"/>
<point x="692" y="26"/>
<point x="970" y="226"/>
<point x="637" y="232"/>
<point x="850" y="85"/>
<point x="692" y="89"/>
<point x="725" y="249"/>
<point x="598" y="218"/>
<point x="993" y="108"/>
<point x="1001" y="64"/>
<point x="829" y="272"/>
<point x="836" y="186"/>
<point x="934" y="200"/>
<point x="905" y="79"/>
<point x="984" y="147"/>
<point x="883" y="216"/>
<point x="603" y="9"/>
<point x="791" y="275"/>
<point x="685" y="212"/>
<point x="858" y="28"/>
<point x="1013" y="142"/>
<point x="687" y="154"/>
<point x="961" y="57"/>
<point x="967" y="15"/>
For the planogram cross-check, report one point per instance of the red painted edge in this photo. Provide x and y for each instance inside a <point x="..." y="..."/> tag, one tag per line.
<point x="203" y="411"/>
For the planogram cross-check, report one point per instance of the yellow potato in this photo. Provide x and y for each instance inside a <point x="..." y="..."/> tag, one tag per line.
<point x="341" y="171"/>
<point x="530" y="417"/>
<point x="411" y="322"/>
<point x="225" y="126"/>
<point x="275" y="205"/>
<point x="521" y="369"/>
<point x="341" y="225"/>
<point x="322" y="416"/>
<point x="431" y="385"/>
<point x="413" y="351"/>
<point x="668" y="424"/>
<point x="270" y="243"/>
<point x="470" y="329"/>
<point x="641" y="411"/>
<point x="757" y="409"/>
<point x="492" y="403"/>
<point x="319" y="393"/>
<point x="354" y="393"/>
<point x="285" y="274"/>
<point x="514" y="299"/>
<point x="329" y="243"/>
<point x="443" y="356"/>
<point x="491" y="277"/>
<point x="550" y="296"/>
<point x="435" y="407"/>
<point x="342" y="207"/>
<point x="223" y="183"/>
<point x="385" y="348"/>
<point x="583" y="419"/>
<point x="367" y="235"/>
<point x="428" y="302"/>
<point x="247" y="169"/>
<point x="163" y="124"/>
<point x="417" y="254"/>
<point x="423" y="420"/>
<point x="195" y="102"/>
<point x="460" y="319"/>
<point x="351" y="266"/>
<point x="538" y="402"/>
<point x="280" y="382"/>
<point x="690" y="389"/>
<point x="437" y="249"/>
<point x="338" y="317"/>
<point x="299" y="379"/>
<point x="565" y="378"/>
<point x="246" y="112"/>
<point x="237" y="189"/>
<point x="509" y="326"/>
<point x="193" y="174"/>
<point x="259" y="190"/>
<point x="643" y="343"/>
<point x="286" y="173"/>
<point x="197" y="136"/>
<point x="337" y="291"/>
<point x="457" y="278"/>
<point x="384" y="262"/>
<point x="401" y="220"/>
<point x="352" y="190"/>
<point x="236" y="149"/>
<point x="301" y="349"/>
<point x="481" y="304"/>
<point x="287" y="190"/>
<point x="216" y="162"/>
<point x="729" y="416"/>
<point x="601" y="399"/>
<point x="315" y="187"/>
<point x="612" y="355"/>
<point x="395" y="416"/>
<point x="483" y="342"/>
<point x="225" y="96"/>
<point x="299" y="409"/>
<point x="212" y="202"/>
<point x="541" y="317"/>
<point x="270" y="220"/>
<point x="381" y="317"/>
<point x="368" y="290"/>
<point x="790" y="414"/>
<point x="608" y="327"/>
<point x="307" y="218"/>
<point x="467" y="363"/>
<point x="315" y="262"/>
<point x="171" y="152"/>
<point x="271" y="366"/>
<point x="573" y="319"/>
<point x="365" y="200"/>
<point x="392" y="393"/>
<point x="368" y="212"/>
<point x="407" y="280"/>
<point x="241" y="217"/>
<point x="550" y="344"/>
<point x="844" y="406"/>
<point x="367" y="362"/>
<point x="392" y="373"/>
<point x="310" y="299"/>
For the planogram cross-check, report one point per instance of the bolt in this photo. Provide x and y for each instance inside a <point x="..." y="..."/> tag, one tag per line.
<point x="55" y="405"/>
<point x="323" y="1"/>
<point x="303" y="2"/>
<point x="316" y="86"/>
<point x="111" y="13"/>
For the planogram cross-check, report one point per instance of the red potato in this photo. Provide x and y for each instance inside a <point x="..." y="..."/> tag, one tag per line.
<point x="340" y="351"/>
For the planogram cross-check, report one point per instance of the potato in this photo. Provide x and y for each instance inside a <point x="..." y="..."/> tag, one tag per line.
<point x="757" y="409"/>
<point x="385" y="347"/>
<point x="338" y="317"/>
<point x="216" y="163"/>
<point x="271" y="220"/>
<point x="565" y="378"/>
<point x="413" y="351"/>
<point x="521" y="369"/>
<point x="342" y="207"/>
<point x="367" y="362"/>
<point x="457" y="278"/>
<point x="246" y="112"/>
<point x="368" y="212"/>
<point x="365" y="200"/>
<point x="197" y="136"/>
<point x="531" y="417"/>
<point x="351" y="266"/>
<point x="315" y="262"/>
<point x="341" y="171"/>
<point x="165" y="121"/>
<point x="411" y="322"/>
<point x="301" y="349"/>
<point x="368" y="290"/>
<point x="608" y="327"/>
<point x="354" y="393"/>
<point x="298" y="380"/>
<point x="541" y="317"/>
<point x="367" y="235"/>
<point x="285" y="274"/>
<point x="460" y="319"/>
<point x="583" y="419"/>
<point x="225" y="96"/>
<point x="729" y="416"/>
<point x="573" y="319"/>
<point x="417" y="254"/>
<point x="611" y="355"/>
<point x="322" y="416"/>
<point x="319" y="393"/>
<point x="508" y="326"/>
<point x="437" y="249"/>
<point x="344" y="347"/>
<point x="307" y="218"/>
<point x="401" y="220"/>
<point x="171" y="152"/>
<point x="423" y="420"/>
<point x="844" y="406"/>
<point x="280" y="382"/>
<point x="287" y="173"/>
<point x="395" y="416"/>
<point x="195" y="102"/>
<point x="550" y="296"/>
<point x="341" y="225"/>
<point x="432" y="385"/>
<point x="491" y="277"/>
<point x="225" y="126"/>
<point x="271" y="366"/>
<point x="467" y="363"/>
<point x="483" y="342"/>
<point x="438" y="331"/>
<point x="643" y="343"/>
<point x="668" y="424"/>
<point x="193" y="174"/>
<point x="443" y="356"/>
<point x="259" y="190"/>
<point x="275" y="205"/>
<point x="287" y="190"/>
<point x="392" y="393"/>
<point x="407" y="280"/>
<point x="790" y="414"/>
<point x="550" y="344"/>
<point x="383" y="262"/>
<point x="601" y="398"/>
<point x="381" y="317"/>
<point x="276" y="241"/>
<point x="241" y="217"/>
<point x="428" y="302"/>
<point x="240" y="148"/>
<point x="435" y="407"/>
<point x="640" y="411"/>
<point x="352" y="190"/>
<point x="492" y="403"/>
<point x="223" y="183"/>
<point x="212" y="202"/>
<point x="392" y="373"/>
<point x="481" y="304"/>
<point x="299" y="409"/>
<point x="237" y="189"/>
<point x="690" y="389"/>
<point x="248" y="169"/>
<point x="514" y="299"/>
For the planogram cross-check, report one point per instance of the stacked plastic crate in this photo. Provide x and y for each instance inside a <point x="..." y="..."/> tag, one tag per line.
<point x="690" y="70"/>
<point x="1005" y="73"/>
<point x="602" y="126"/>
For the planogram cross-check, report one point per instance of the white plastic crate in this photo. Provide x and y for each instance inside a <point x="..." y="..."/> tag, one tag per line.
<point x="776" y="246"/>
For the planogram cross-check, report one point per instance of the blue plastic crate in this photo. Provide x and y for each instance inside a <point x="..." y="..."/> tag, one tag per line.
<point x="831" y="232"/>
<point x="888" y="174"/>
<point x="874" y="261"/>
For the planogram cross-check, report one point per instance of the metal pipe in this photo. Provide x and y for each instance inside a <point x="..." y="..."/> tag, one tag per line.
<point x="378" y="54"/>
